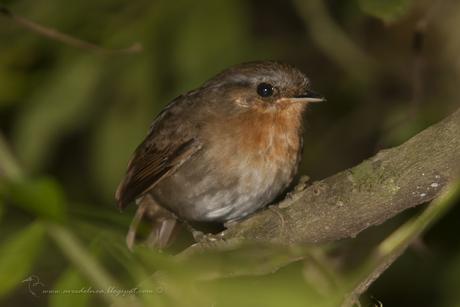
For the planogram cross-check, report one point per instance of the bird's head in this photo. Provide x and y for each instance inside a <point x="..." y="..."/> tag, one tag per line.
<point x="266" y="86"/>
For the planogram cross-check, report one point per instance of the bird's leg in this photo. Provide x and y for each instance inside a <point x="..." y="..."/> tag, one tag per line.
<point x="162" y="221"/>
<point x="163" y="224"/>
<point x="131" y="236"/>
<point x="161" y="232"/>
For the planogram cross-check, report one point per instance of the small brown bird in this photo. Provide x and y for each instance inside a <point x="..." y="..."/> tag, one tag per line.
<point x="220" y="152"/>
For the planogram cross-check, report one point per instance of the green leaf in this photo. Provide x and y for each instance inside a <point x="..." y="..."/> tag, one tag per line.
<point x="84" y="260"/>
<point x="18" y="254"/>
<point x="284" y="288"/>
<point x="70" y="280"/>
<point x="42" y="197"/>
<point x="387" y="10"/>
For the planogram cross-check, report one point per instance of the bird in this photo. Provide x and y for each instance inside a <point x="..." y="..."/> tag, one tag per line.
<point x="220" y="152"/>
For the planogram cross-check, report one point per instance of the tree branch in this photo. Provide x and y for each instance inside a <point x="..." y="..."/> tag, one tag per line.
<point x="368" y="194"/>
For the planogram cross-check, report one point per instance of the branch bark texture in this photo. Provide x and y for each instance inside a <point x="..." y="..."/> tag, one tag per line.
<point x="370" y="193"/>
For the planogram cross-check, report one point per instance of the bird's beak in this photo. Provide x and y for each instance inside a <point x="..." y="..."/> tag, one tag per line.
<point x="308" y="97"/>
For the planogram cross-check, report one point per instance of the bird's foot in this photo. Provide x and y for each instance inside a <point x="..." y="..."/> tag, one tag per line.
<point x="195" y="233"/>
<point x="208" y="240"/>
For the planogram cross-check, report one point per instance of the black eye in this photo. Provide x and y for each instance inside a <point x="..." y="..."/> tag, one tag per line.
<point x="265" y="90"/>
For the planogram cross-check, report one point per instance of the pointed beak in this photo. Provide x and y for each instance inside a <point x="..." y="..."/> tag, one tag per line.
<point x="308" y="96"/>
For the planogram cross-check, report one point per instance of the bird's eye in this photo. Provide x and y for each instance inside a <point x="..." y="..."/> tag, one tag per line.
<point x="265" y="90"/>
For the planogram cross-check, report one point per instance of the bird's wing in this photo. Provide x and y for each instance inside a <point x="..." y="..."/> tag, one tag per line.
<point x="150" y="164"/>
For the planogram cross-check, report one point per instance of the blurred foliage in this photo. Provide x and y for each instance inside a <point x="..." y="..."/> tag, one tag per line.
<point x="59" y="106"/>
<point x="69" y="279"/>
<point x="390" y="10"/>
<point x="70" y="119"/>
<point x="42" y="197"/>
<point x="18" y="256"/>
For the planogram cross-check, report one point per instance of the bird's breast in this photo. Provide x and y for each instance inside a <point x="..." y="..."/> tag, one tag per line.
<point x="259" y="151"/>
<point x="245" y="163"/>
<point x="258" y="139"/>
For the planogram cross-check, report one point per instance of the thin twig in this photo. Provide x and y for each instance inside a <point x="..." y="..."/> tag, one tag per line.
<point x="62" y="37"/>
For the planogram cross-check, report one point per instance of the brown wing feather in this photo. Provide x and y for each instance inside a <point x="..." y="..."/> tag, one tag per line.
<point x="149" y="164"/>
<point x="171" y="142"/>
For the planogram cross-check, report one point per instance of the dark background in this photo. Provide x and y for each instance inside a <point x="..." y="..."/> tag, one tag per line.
<point x="71" y="117"/>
